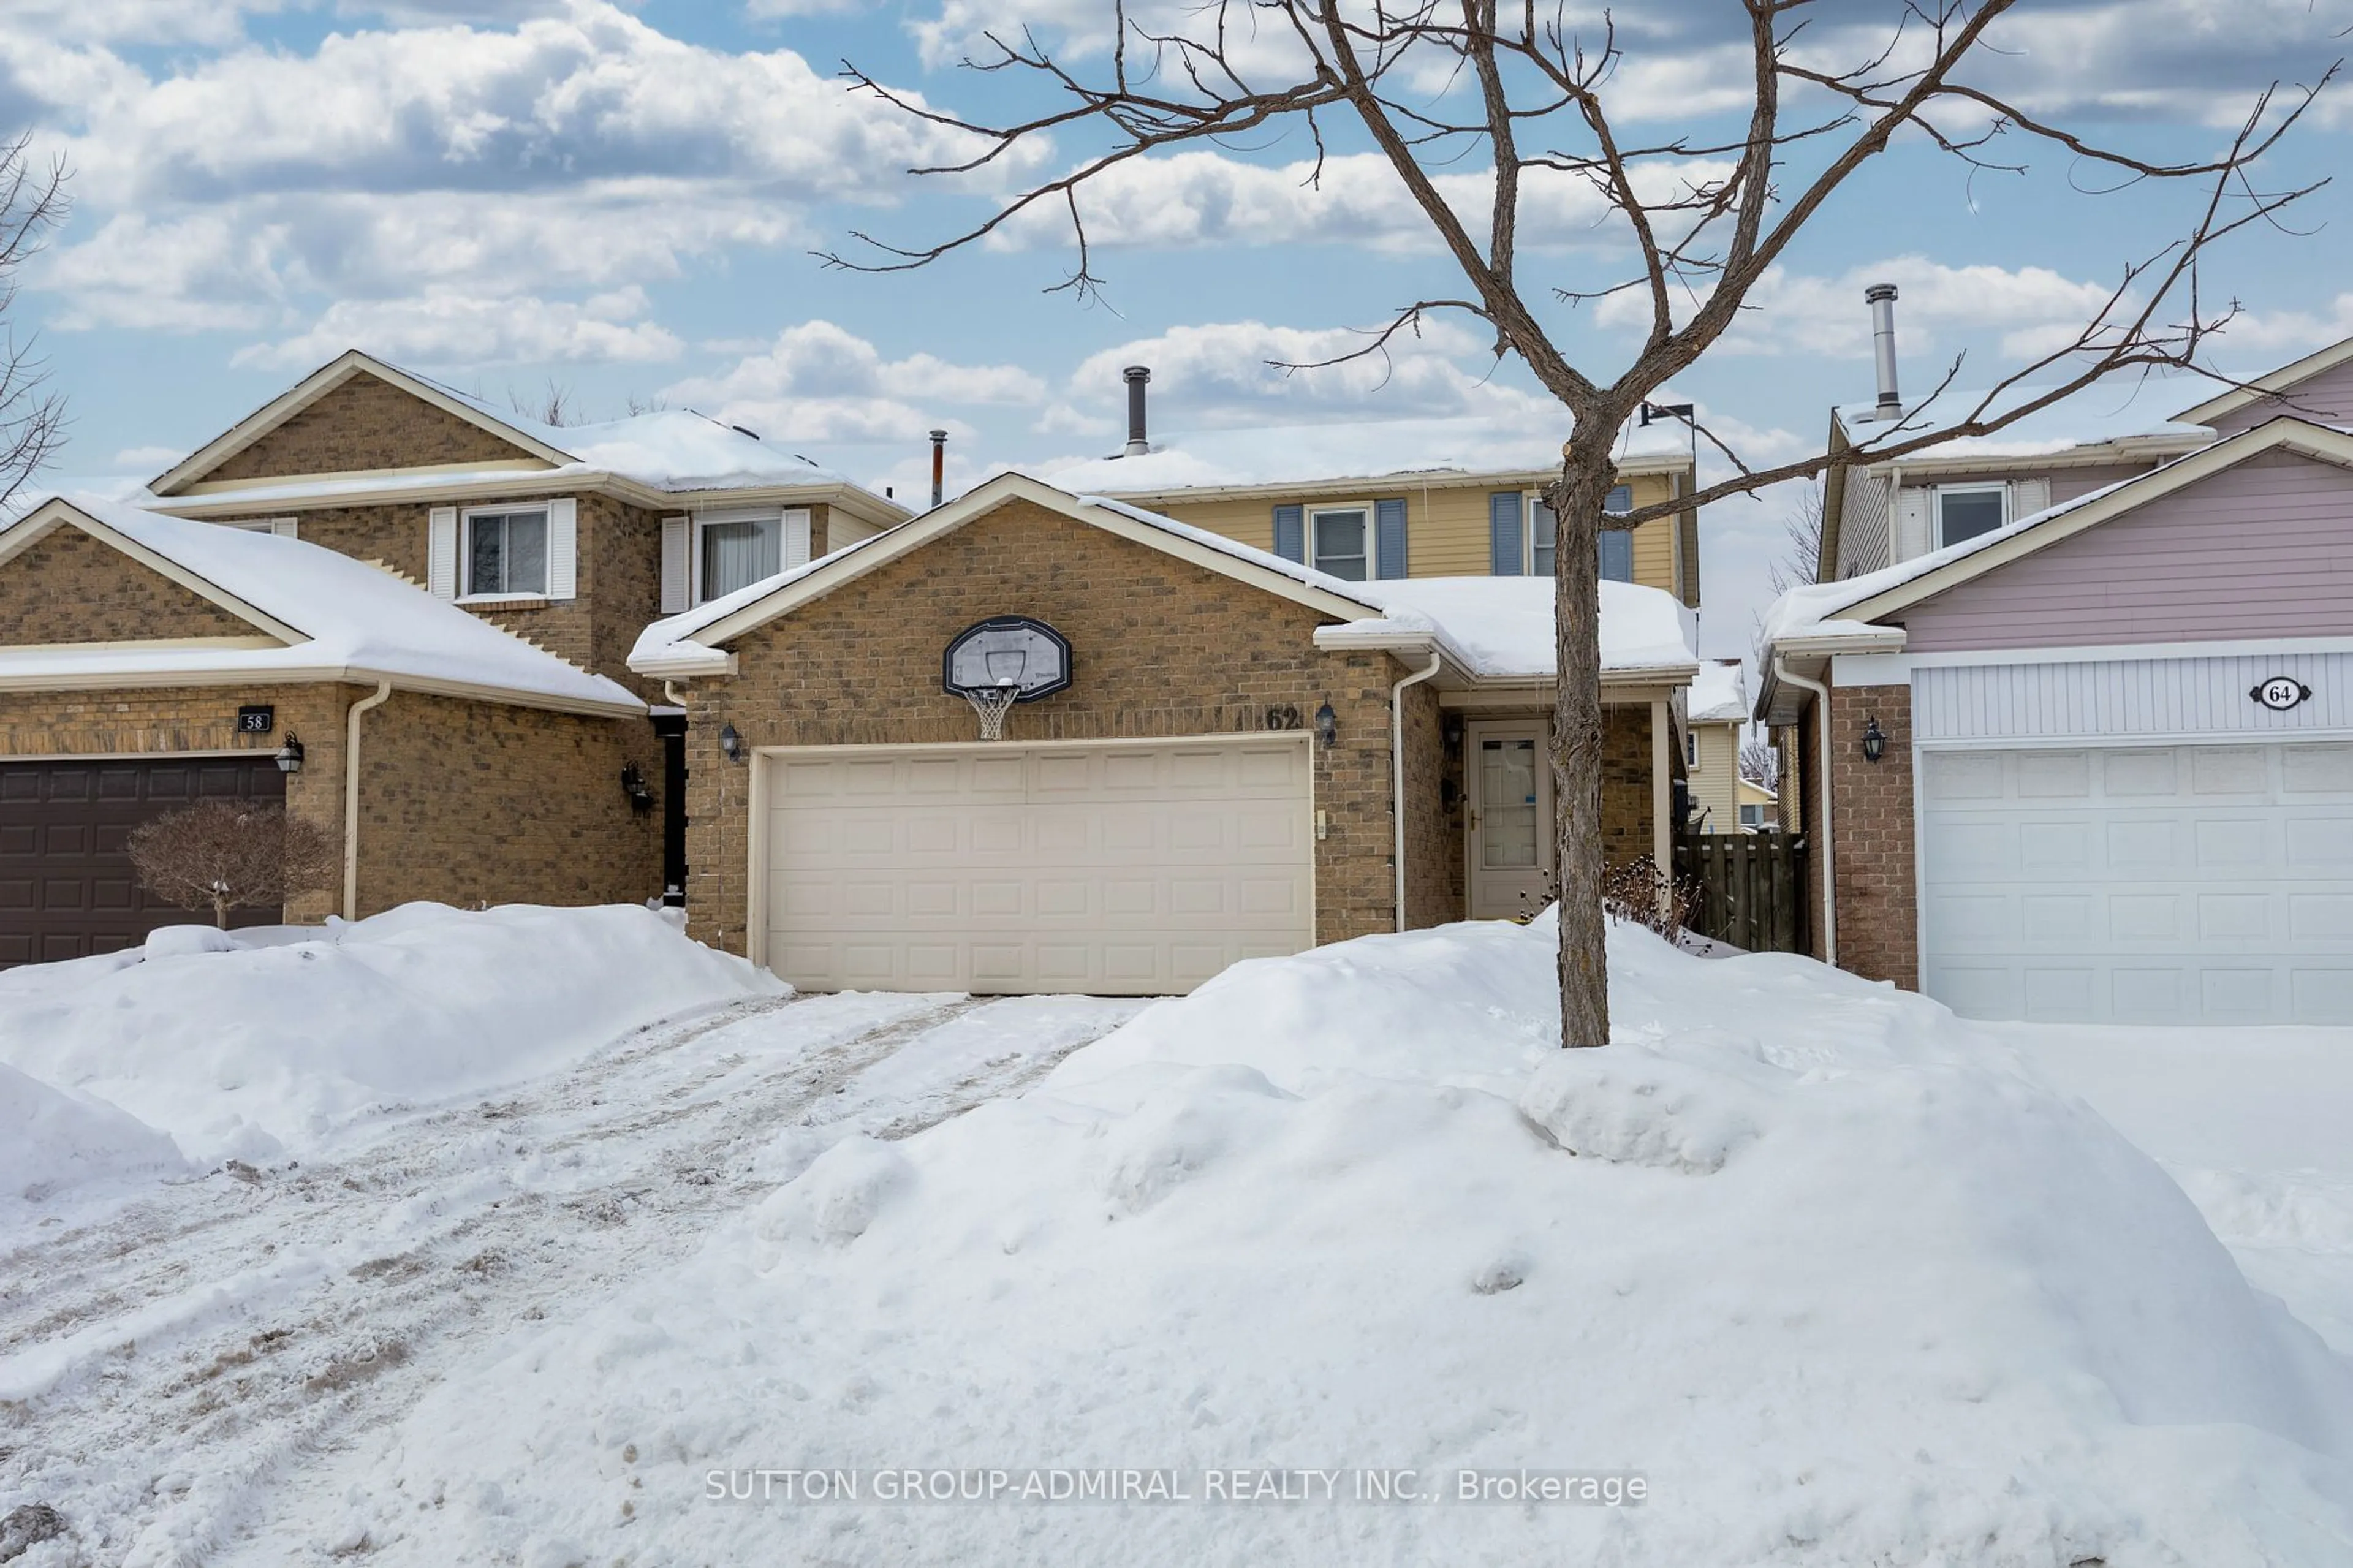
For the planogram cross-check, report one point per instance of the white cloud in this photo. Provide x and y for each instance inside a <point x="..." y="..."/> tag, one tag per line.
<point x="817" y="382"/>
<point x="454" y="330"/>
<point x="151" y="459"/>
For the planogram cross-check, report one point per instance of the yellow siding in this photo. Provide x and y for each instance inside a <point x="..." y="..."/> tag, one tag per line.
<point x="1446" y="528"/>
<point x="1713" y="780"/>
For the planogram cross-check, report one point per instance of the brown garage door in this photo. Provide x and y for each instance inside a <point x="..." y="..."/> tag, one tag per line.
<point x="67" y="889"/>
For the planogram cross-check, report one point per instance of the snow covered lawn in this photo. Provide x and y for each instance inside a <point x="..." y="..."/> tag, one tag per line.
<point x="1838" y="1278"/>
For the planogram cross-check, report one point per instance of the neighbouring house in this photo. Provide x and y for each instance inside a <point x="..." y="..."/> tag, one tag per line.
<point x="2095" y="761"/>
<point x="1757" y="805"/>
<point x="1395" y="498"/>
<point x="148" y="661"/>
<point x="1718" y="708"/>
<point x="572" y="537"/>
<point x="1212" y="753"/>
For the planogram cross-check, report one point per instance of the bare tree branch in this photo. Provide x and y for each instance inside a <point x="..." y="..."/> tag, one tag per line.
<point x="32" y="420"/>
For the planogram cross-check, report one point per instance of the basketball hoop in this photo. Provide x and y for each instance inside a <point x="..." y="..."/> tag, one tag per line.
<point x="991" y="703"/>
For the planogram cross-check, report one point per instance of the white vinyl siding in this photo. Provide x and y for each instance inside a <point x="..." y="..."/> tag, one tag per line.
<point x="1134" y="869"/>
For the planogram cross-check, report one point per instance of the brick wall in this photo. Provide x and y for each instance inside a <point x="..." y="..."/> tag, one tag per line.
<point x="470" y="803"/>
<point x="1626" y="805"/>
<point x="1159" y="646"/>
<point x="366" y="424"/>
<point x="67" y="587"/>
<point x="1870" y="814"/>
<point x="153" y="721"/>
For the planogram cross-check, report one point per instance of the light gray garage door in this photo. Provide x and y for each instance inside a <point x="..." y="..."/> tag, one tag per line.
<point x="1123" y="868"/>
<point x="2175" y="884"/>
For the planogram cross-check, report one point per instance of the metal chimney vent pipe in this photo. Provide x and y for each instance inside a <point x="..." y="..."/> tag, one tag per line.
<point x="939" y="464"/>
<point x="1137" y="376"/>
<point x="1881" y="297"/>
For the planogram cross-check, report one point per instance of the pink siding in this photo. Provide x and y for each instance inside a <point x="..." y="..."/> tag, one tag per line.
<point x="2066" y="484"/>
<point x="2262" y="550"/>
<point x="2324" y="399"/>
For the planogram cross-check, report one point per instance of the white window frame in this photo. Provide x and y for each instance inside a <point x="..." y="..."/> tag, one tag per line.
<point x="283" y="527"/>
<point x="466" y="552"/>
<point x="1746" y="808"/>
<point x="782" y="516"/>
<point x="1936" y="494"/>
<point x="1691" y="749"/>
<point x="1529" y="502"/>
<point x="1372" y="533"/>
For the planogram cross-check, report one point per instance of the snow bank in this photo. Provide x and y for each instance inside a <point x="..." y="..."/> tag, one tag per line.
<point x="265" y="1050"/>
<point x="51" y="1140"/>
<point x="1837" y="1275"/>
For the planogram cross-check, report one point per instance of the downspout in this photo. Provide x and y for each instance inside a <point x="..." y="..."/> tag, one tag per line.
<point x="351" y="796"/>
<point x="1397" y="768"/>
<point x="1823" y="749"/>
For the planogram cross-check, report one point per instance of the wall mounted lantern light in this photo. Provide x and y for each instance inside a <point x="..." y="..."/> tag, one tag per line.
<point x="634" y="785"/>
<point x="731" y="745"/>
<point x="1874" y="740"/>
<point x="290" y="755"/>
<point x="1328" y="725"/>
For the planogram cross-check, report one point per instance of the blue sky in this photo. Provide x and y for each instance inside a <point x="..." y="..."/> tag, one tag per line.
<point x="622" y="200"/>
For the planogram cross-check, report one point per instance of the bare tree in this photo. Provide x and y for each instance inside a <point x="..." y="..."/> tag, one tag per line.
<point x="555" y="405"/>
<point x="32" y="418"/>
<point x="1523" y="94"/>
<point x="223" y="855"/>
<point x="1801" y="543"/>
<point x="1760" y="761"/>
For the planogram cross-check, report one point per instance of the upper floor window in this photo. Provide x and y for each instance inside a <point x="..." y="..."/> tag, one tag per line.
<point x="505" y="553"/>
<point x="1691" y="749"/>
<point x="1538" y="531"/>
<point x="1341" y="543"/>
<point x="1965" y="511"/>
<point x="735" y="549"/>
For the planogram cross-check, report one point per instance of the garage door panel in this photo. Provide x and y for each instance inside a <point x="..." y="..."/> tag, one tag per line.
<point x="2191" y="884"/>
<point x="1141" y="869"/>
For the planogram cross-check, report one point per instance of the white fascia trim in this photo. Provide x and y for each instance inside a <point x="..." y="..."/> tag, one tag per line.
<point x="1883" y="639"/>
<point x="2103" y="653"/>
<point x="2083" y="455"/>
<point x="315" y="675"/>
<point x="685" y="665"/>
<point x="503" y="484"/>
<point x="1871" y="669"/>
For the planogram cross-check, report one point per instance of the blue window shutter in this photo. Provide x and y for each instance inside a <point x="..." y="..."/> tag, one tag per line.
<point x="1389" y="523"/>
<point x="1620" y="500"/>
<point x="1290" y="532"/>
<point x="1617" y="555"/>
<point x="1506" y="542"/>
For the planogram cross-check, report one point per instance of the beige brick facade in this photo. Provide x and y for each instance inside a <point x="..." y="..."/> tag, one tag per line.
<point x="1628" y="812"/>
<point x="473" y="803"/>
<point x="366" y="424"/>
<point x="1871" y="820"/>
<point x="69" y="587"/>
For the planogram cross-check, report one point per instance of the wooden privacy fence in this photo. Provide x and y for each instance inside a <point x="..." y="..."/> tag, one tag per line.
<point x="1751" y="889"/>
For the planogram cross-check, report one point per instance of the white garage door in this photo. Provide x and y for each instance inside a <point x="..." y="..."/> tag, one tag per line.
<point x="2179" y="884"/>
<point x="1119" y="869"/>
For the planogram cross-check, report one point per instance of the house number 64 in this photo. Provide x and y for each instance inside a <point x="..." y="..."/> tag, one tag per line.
<point x="2281" y="693"/>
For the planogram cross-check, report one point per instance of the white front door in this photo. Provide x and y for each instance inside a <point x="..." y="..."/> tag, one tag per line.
<point x="1511" y="820"/>
<point x="2196" y="884"/>
<point x="1121" y="868"/>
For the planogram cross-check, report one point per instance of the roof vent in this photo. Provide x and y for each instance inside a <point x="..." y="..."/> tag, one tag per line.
<point x="1882" y="299"/>
<point x="1138" y="376"/>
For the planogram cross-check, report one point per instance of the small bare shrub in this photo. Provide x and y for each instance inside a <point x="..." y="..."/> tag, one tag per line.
<point x="1638" y="891"/>
<point x="224" y="855"/>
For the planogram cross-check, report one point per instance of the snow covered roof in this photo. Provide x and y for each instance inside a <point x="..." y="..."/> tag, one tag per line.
<point x="337" y="618"/>
<point x="672" y="450"/>
<point x="1498" y="628"/>
<point x="1820" y="611"/>
<point x="1394" y="451"/>
<point x="2095" y="416"/>
<point x="1719" y="693"/>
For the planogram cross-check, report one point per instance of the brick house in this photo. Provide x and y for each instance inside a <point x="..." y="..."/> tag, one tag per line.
<point x="2095" y="761"/>
<point x="548" y="647"/>
<point x="150" y="661"/>
<point x="1219" y="753"/>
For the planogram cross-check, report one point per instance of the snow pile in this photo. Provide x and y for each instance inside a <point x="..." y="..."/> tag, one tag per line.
<point x="266" y="1050"/>
<point x="51" y="1142"/>
<point x="1719" y="693"/>
<point x="1839" y="1276"/>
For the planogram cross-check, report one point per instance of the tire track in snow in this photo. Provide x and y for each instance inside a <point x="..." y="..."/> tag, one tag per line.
<point x="391" y="1264"/>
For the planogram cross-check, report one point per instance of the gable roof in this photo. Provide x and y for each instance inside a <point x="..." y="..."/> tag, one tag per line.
<point x="329" y="618"/>
<point x="1826" y="612"/>
<point x="1495" y="629"/>
<point x="2285" y="378"/>
<point x="351" y="363"/>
